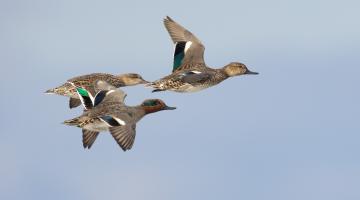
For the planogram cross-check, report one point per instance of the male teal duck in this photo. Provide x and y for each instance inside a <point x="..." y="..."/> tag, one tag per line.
<point x="107" y="112"/>
<point x="87" y="82"/>
<point x="190" y="73"/>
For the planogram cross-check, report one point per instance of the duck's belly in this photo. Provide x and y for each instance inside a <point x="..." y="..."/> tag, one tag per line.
<point x="191" y="88"/>
<point x="97" y="126"/>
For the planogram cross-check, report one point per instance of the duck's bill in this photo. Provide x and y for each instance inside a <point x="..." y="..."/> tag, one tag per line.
<point x="169" y="108"/>
<point x="250" y="72"/>
<point x="144" y="82"/>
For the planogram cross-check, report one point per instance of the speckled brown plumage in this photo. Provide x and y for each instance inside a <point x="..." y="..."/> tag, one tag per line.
<point x="190" y="73"/>
<point x="87" y="82"/>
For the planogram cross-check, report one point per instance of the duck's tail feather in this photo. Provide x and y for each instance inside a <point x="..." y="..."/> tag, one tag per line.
<point x="50" y="91"/>
<point x="73" y="122"/>
<point x="157" y="87"/>
<point x="61" y="90"/>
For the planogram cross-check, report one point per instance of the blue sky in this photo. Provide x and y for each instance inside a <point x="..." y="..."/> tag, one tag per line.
<point x="292" y="132"/>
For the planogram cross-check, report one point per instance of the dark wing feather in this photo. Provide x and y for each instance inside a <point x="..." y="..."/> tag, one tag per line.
<point x="195" y="51"/>
<point x="73" y="103"/>
<point x="100" y="96"/>
<point x="85" y="97"/>
<point x="108" y="93"/>
<point x="192" y="78"/>
<point x="124" y="135"/>
<point x="89" y="138"/>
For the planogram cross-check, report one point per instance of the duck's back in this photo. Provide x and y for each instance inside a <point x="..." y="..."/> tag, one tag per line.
<point x="191" y="79"/>
<point x="89" y="79"/>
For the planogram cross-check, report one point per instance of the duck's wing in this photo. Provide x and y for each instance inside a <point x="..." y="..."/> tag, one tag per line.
<point x="73" y="103"/>
<point x="89" y="138"/>
<point x="107" y="93"/>
<point x="84" y="81"/>
<point x="120" y="123"/>
<point x="193" y="77"/>
<point x="189" y="51"/>
<point x="85" y="96"/>
<point x="103" y="85"/>
<point x="80" y="82"/>
<point x="124" y="135"/>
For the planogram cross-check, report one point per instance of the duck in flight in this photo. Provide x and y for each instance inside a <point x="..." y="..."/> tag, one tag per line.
<point x="87" y="82"/>
<point x="106" y="111"/>
<point x="190" y="73"/>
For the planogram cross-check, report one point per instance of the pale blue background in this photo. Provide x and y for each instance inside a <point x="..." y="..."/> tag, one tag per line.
<point x="292" y="132"/>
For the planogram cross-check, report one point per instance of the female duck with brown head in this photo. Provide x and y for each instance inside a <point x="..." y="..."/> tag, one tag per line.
<point x="190" y="73"/>
<point x="87" y="82"/>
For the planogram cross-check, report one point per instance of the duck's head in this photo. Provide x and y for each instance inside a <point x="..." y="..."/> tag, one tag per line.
<point x="131" y="79"/>
<point x="236" y="69"/>
<point x="155" y="105"/>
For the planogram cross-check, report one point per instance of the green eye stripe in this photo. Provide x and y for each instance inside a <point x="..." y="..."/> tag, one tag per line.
<point x="150" y="103"/>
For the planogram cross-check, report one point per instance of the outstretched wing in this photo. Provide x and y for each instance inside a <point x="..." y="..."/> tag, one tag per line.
<point x="124" y="135"/>
<point x="85" y="97"/>
<point x="108" y="93"/>
<point x="188" y="49"/>
<point x="89" y="138"/>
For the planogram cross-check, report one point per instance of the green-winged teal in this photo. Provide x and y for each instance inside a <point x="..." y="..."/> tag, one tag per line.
<point x="87" y="82"/>
<point x="107" y="112"/>
<point x="190" y="73"/>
